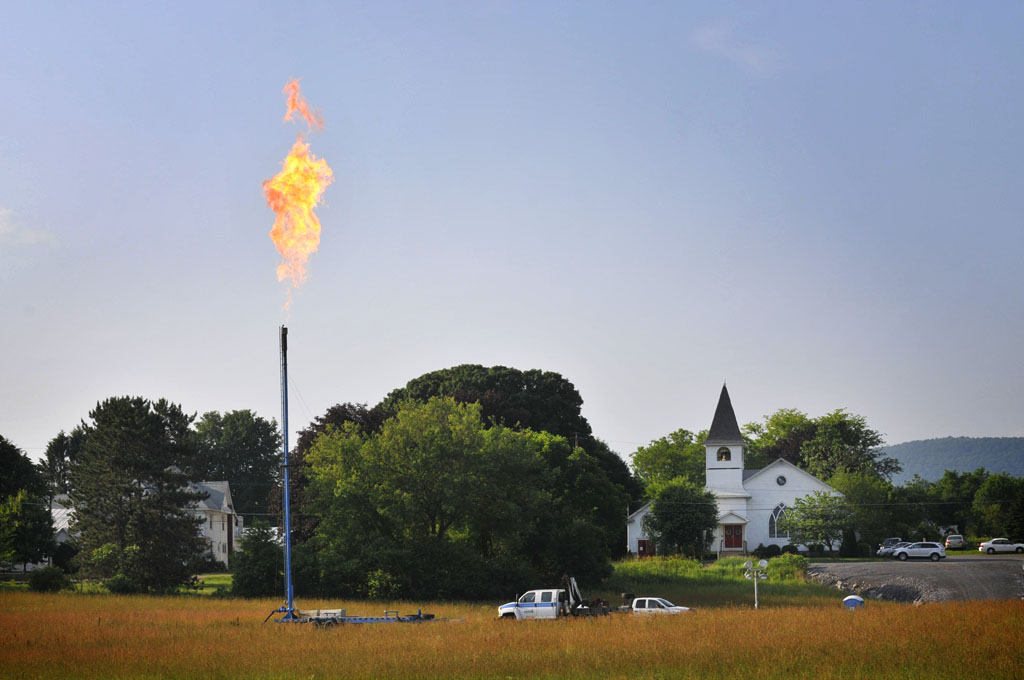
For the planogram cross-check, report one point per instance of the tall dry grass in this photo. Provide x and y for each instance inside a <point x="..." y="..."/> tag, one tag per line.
<point x="66" y="635"/>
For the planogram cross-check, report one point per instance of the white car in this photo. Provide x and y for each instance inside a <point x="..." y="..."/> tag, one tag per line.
<point x="656" y="605"/>
<point x="932" y="551"/>
<point x="1000" y="545"/>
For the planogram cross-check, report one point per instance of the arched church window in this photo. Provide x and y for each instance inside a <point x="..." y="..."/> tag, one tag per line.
<point x="773" y="522"/>
<point x="724" y="454"/>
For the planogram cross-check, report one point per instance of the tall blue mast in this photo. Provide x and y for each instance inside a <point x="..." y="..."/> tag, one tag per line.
<point x="289" y="608"/>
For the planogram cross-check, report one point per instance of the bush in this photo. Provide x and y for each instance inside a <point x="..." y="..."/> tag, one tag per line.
<point x="760" y="552"/>
<point x="787" y="567"/>
<point x="790" y="549"/>
<point x="122" y="585"/>
<point x="48" y="580"/>
<point x="773" y="551"/>
<point x="258" y="565"/>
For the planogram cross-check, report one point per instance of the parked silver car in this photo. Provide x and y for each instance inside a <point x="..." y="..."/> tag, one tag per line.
<point x="955" y="542"/>
<point x="886" y="550"/>
<point x="932" y="551"/>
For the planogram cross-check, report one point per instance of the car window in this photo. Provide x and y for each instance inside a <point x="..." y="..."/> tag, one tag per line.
<point x="529" y="597"/>
<point x="665" y="602"/>
<point x="545" y="597"/>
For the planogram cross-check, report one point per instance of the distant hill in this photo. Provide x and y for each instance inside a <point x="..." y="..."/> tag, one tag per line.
<point x="930" y="458"/>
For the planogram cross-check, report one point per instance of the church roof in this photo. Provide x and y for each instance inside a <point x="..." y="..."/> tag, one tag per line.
<point x="724" y="428"/>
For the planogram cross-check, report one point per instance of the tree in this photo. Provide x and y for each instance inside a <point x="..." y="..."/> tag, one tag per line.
<point x="679" y="456"/>
<point x="32" y="538"/>
<point x="131" y="501"/>
<point x="683" y="518"/>
<point x="845" y="442"/>
<point x="243" y="449"/>
<point x="542" y="401"/>
<point x="953" y="499"/>
<point x="994" y="502"/>
<point x="822" y="446"/>
<point x="867" y="498"/>
<point x="257" y="569"/>
<point x="304" y="517"/>
<point x="782" y="435"/>
<point x="436" y="504"/>
<point x="816" y="518"/>
<point x="61" y="453"/>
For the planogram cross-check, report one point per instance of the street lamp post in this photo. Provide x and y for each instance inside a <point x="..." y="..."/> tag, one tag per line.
<point x="756" y="574"/>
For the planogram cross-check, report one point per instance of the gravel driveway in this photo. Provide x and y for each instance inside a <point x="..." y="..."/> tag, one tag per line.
<point x="981" y="577"/>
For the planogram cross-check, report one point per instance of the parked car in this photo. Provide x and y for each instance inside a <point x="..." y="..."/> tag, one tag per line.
<point x="886" y="551"/>
<point x="955" y="542"/>
<point x="1000" y="545"/>
<point x="655" y="605"/>
<point x="890" y="542"/>
<point x="932" y="551"/>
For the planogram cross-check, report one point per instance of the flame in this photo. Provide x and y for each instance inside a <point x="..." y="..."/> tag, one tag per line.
<point x="297" y="103"/>
<point x="292" y="194"/>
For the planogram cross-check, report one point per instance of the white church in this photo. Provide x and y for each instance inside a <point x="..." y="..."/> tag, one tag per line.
<point x="750" y="502"/>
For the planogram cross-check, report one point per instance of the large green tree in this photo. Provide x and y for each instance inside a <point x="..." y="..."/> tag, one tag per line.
<point x="32" y="538"/>
<point x="131" y="501"/>
<point x="953" y="501"/>
<point x="818" y="517"/>
<point x="436" y="504"/>
<point x="243" y="449"/>
<point x="823" y="446"/>
<point x="677" y="457"/>
<point x="994" y="503"/>
<point x="682" y="519"/>
<point x="867" y="498"/>
<point x="542" y="401"/>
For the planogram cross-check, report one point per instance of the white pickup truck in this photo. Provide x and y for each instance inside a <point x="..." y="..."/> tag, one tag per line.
<point x="655" y="605"/>
<point x="551" y="603"/>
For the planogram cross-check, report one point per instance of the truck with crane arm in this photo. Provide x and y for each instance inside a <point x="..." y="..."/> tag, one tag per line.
<point x="552" y="603"/>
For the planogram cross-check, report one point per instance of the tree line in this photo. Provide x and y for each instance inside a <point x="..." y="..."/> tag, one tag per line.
<point x="467" y="482"/>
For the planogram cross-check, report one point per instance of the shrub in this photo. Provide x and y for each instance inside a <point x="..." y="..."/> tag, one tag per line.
<point x="760" y="551"/>
<point x="122" y="585"/>
<point x="787" y="567"/>
<point x="48" y="580"/>
<point x="773" y="551"/>
<point x="790" y="549"/>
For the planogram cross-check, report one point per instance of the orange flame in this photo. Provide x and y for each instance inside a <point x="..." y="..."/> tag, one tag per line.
<point x="297" y="103"/>
<point x="292" y="194"/>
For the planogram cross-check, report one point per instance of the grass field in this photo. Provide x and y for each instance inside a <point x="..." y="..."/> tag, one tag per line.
<point x="105" y="636"/>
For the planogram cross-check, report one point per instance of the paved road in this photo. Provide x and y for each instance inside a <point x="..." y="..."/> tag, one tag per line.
<point x="980" y="577"/>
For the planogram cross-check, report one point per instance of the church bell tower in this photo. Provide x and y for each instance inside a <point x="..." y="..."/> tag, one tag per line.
<point x="724" y="448"/>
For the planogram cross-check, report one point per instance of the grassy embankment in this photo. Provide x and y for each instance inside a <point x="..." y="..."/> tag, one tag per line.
<point x="800" y="631"/>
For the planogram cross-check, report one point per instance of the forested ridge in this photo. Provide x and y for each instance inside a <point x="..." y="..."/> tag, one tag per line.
<point x="930" y="458"/>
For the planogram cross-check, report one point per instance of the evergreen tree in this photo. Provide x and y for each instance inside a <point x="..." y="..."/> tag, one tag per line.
<point x="131" y="501"/>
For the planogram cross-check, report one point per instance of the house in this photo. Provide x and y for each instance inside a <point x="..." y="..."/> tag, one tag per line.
<point x="750" y="502"/>
<point x="221" y="524"/>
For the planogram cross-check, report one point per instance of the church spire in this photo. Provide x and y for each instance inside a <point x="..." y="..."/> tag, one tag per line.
<point x="724" y="428"/>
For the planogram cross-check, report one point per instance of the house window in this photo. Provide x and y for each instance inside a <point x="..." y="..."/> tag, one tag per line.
<point x="724" y="454"/>
<point x="211" y="521"/>
<point x="773" y="522"/>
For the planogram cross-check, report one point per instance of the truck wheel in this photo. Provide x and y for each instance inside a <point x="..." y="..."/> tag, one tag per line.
<point x="508" y="617"/>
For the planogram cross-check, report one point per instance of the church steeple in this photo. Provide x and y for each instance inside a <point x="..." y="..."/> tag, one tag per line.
<point x="724" y="430"/>
<point x="724" y="449"/>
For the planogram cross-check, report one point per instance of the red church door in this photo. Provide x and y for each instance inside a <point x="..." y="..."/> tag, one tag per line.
<point x="733" y="536"/>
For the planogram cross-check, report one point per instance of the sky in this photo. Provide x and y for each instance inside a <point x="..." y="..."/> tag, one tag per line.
<point x="819" y="204"/>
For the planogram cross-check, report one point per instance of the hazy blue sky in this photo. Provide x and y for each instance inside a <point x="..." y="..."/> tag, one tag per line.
<point x="821" y="205"/>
